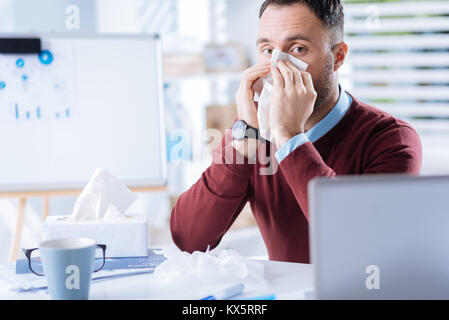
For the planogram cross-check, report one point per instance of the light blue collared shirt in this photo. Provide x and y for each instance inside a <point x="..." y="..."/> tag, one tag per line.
<point x="320" y="129"/>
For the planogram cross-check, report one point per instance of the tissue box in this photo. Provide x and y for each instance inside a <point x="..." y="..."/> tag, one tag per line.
<point x="124" y="237"/>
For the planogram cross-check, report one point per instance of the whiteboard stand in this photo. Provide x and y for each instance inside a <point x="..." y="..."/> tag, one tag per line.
<point x="24" y="195"/>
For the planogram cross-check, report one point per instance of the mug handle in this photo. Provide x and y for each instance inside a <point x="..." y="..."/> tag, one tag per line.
<point x="103" y="248"/>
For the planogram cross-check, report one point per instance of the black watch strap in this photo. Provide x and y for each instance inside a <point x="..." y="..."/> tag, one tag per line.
<point x="252" y="133"/>
<point x="241" y="130"/>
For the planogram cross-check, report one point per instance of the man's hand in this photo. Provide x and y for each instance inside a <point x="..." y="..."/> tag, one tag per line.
<point x="292" y="101"/>
<point x="247" y="108"/>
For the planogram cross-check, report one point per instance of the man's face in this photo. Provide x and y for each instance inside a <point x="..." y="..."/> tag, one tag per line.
<point x="296" y="30"/>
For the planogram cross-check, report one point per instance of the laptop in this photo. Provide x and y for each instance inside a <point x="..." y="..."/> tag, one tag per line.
<point x="380" y="237"/>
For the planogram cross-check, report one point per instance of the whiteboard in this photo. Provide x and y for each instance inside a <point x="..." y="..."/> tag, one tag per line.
<point x="84" y="102"/>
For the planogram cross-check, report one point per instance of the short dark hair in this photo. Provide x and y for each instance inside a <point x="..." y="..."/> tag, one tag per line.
<point x="330" y="12"/>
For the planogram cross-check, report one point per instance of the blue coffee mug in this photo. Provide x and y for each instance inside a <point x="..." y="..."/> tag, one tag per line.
<point x="68" y="265"/>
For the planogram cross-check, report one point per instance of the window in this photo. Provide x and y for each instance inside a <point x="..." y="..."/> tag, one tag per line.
<point x="399" y="62"/>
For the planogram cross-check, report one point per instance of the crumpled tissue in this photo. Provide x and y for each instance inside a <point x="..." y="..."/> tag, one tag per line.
<point x="206" y="268"/>
<point x="263" y="89"/>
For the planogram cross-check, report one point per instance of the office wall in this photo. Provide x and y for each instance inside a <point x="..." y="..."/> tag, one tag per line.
<point x="242" y="24"/>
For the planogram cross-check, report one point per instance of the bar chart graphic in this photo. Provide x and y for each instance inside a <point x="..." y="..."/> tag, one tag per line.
<point x="30" y="113"/>
<point x="38" y="87"/>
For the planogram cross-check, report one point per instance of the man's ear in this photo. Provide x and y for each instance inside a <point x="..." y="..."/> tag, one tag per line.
<point x="340" y="51"/>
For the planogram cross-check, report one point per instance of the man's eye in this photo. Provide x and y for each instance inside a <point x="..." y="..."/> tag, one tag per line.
<point x="299" y="50"/>
<point x="267" y="51"/>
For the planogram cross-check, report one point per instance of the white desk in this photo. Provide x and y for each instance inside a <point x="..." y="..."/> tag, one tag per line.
<point x="286" y="280"/>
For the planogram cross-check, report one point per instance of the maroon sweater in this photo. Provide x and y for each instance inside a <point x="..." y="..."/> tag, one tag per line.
<point x="365" y="141"/>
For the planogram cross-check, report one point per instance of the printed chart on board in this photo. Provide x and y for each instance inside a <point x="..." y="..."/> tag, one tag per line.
<point x="38" y="87"/>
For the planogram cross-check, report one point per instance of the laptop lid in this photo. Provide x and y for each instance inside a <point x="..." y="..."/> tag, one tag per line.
<point x="380" y="237"/>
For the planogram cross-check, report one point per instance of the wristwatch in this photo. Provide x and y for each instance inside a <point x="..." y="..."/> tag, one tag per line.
<point x="241" y="130"/>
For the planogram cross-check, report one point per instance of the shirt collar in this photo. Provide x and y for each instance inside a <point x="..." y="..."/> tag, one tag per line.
<point x="332" y="118"/>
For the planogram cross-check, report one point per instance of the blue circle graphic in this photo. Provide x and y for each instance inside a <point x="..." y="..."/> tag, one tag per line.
<point x="25" y="77"/>
<point x="20" y="63"/>
<point x="46" y="57"/>
<point x="2" y="85"/>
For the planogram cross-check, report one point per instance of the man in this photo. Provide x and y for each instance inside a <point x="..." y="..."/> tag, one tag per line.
<point x="318" y="130"/>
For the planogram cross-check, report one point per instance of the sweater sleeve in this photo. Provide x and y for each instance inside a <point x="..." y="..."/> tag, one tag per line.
<point x="397" y="150"/>
<point x="204" y="213"/>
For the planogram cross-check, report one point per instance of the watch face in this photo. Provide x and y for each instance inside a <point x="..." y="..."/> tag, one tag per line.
<point x="239" y="130"/>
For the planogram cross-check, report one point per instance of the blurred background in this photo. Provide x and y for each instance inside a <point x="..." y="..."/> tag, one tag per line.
<point x="398" y="61"/>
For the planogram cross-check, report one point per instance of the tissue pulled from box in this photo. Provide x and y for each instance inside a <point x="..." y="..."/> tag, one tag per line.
<point x="263" y="89"/>
<point x="205" y="267"/>
<point x="99" y="213"/>
<point x="103" y="198"/>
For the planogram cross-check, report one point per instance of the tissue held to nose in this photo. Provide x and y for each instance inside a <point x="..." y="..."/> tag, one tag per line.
<point x="263" y="89"/>
<point x="103" y="198"/>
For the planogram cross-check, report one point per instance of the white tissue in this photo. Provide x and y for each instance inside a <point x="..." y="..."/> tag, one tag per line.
<point x="204" y="267"/>
<point x="103" y="198"/>
<point x="263" y="89"/>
